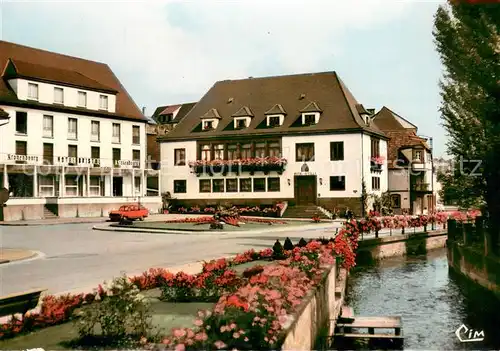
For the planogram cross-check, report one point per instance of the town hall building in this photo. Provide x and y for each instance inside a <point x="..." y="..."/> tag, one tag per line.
<point x="303" y="139"/>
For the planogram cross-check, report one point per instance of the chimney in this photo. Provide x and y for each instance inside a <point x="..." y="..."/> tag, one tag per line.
<point x="144" y="110"/>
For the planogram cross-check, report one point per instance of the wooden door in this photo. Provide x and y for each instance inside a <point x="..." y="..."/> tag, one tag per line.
<point x="305" y="190"/>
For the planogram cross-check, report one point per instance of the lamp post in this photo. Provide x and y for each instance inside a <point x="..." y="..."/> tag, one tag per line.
<point x="432" y="174"/>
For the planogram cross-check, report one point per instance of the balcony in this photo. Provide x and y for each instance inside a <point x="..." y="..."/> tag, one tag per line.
<point x="421" y="187"/>
<point x="251" y="165"/>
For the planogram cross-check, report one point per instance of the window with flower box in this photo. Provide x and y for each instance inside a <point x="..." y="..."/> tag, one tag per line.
<point x="274" y="149"/>
<point x="206" y="152"/>
<point x="218" y="185"/>
<point x="375" y="147"/>
<point x="205" y="186"/>
<point x="304" y="152"/>
<point x="219" y="152"/>
<point x="259" y="184"/>
<point x="246" y="151"/>
<point x="246" y="185"/>
<point x="232" y="151"/>
<point x="180" y="186"/>
<point x="231" y="185"/>
<point x="273" y="184"/>
<point x="260" y="149"/>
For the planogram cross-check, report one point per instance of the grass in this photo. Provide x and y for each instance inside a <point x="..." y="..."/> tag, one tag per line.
<point x="192" y="227"/>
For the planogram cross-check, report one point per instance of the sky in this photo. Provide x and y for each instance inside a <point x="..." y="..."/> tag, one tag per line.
<point x="169" y="52"/>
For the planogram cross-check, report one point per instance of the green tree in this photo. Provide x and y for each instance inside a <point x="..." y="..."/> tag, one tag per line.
<point x="468" y="41"/>
<point x="459" y="189"/>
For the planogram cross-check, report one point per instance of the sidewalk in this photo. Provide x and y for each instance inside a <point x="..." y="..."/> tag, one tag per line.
<point x="10" y="255"/>
<point x="55" y="221"/>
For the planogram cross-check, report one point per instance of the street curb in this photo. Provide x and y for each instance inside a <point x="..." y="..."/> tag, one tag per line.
<point x="7" y="224"/>
<point x="4" y="261"/>
<point x="31" y="256"/>
<point x="178" y="232"/>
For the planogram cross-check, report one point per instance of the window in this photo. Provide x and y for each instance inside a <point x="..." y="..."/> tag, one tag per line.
<point x="137" y="185"/>
<point x="246" y="151"/>
<point x="48" y="126"/>
<point x="260" y="150"/>
<point x="71" y="183"/>
<point x="21" y="122"/>
<point x="72" y="128"/>
<point x="136" y="158"/>
<point x="337" y="151"/>
<point x="232" y="151"/>
<point x="396" y="201"/>
<point x="180" y="186"/>
<point x="274" y="121"/>
<point x="136" y="135"/>
<point x="82" y="99"/>
<point x="95" y="154"/>
<point x="259" y="184"/>
<point x="375" y="183"/>
<point x="72" y="154"/>
<point x="375" y="148"/>
<point x="58" y="95"/>
<point x="103" y="102"/>
<point x="208" y="125"/>
<point x="241" y="123"/>
<point x="337" y="183"/>
<point x="218" y="185"/>
<point x="116" y="157"/>
<point x="179" y="157"/>
<point x="96" y="186"/>
<point x="309" y="119"/>
<point x="274" y="149"/>
<point x="95" y="131"/>
<point x="116" y="133"/>
<point x="231" y="185"/>
<point x="304" y="152"/>
<point x="245" y="185"/>
<point x="417" y="155"/>
<point x="48" y="153"/>
<point x="205" y="186"/>
<point x="21" y="150"/>
<point x="46" y="186"/>
<point x="273" y="184"/>
<point x="206" y="152"/>
<point x="219" y="152"/>
<point x="32" y="91"/>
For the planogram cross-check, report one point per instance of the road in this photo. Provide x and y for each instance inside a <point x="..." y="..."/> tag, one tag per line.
<point x="75" y="257"/>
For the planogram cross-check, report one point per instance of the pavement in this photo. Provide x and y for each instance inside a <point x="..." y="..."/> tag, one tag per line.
<point x="11" y="255"/>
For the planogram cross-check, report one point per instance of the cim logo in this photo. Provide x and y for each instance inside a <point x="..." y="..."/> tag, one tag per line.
<point x="465" y="334"/>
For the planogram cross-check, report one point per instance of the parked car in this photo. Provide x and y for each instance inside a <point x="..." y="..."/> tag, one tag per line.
<point x="129" y="212"/>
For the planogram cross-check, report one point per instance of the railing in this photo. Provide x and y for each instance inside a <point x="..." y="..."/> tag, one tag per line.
<point x="420" y="187"/>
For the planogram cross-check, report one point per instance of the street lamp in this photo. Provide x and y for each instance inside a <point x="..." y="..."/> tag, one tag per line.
<point x="432" y="173"/>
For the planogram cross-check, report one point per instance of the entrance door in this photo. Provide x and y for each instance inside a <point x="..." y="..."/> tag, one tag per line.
<point x="117" y="186"/>
<point x="305" y="190"/>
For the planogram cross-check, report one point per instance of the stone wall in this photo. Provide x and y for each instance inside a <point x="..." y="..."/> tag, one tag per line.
<point x="399" y="245"/>
<point x="23" y="212"/>
<point x="341" y="203"/>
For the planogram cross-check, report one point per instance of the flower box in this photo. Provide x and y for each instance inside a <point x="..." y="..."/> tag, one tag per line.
<point x="259" y="164"/>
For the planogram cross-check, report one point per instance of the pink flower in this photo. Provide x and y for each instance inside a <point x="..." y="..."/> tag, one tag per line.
<point x="246" y="339"/>
<point x="179" y="333"/>
<point x="201" y="337"/>
<point x="198" y="322"/>
<point x="223" y="329"/>
<point x="232" y="326"/>
<point x="166" y="341"/>
<point x="190" y="333"/>
<point x="236" y="335"/>
<point x="219" y="344"/>
<point x="180" y="347"/>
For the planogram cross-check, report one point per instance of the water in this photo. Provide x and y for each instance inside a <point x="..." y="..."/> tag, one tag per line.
<point x="432" y="304"/>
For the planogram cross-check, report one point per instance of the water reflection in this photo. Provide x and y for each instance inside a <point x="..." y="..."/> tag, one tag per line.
<point x="432" y="303"/>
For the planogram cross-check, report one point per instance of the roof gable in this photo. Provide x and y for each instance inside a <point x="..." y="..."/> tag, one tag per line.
<point x="212" y="113"/>
<point x="387" y="120"/>
<point x="276" y="110"/>
<point x="243" y="112"/>
<point x="311" y="107"/>
<point x="98" y="73"/>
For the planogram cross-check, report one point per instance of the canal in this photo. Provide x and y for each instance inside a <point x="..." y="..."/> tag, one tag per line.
<point x="432" y="303"/>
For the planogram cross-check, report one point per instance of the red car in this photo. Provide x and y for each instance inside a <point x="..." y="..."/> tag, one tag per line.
<point x="131" y="212"/>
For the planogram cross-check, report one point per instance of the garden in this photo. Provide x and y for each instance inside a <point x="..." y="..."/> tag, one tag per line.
<point x="245" y="302"/>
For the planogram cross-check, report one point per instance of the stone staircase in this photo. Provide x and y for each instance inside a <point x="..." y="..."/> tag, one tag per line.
<point x="48" y="214"/>
<point x="304" y="211"/>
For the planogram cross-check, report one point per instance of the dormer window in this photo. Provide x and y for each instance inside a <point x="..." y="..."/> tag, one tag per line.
<point x="310" y="114"/>
<point x="275" y="116"/>
<point x="273" y="121"/>
<point x="242" y="118"/>
<point x="210" y="120"/>
<point x="208" y="125"/>
<point x="241" y="123"/>
<point x="32" y="91"/>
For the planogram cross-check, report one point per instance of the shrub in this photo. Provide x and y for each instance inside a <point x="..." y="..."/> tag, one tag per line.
<point x="278" y="252"/>
<point x="288" y="244"/>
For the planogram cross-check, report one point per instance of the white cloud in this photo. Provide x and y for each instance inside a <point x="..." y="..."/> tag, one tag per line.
<point x="145" y="47"/>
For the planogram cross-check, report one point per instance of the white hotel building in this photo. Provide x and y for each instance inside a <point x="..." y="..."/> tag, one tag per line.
<point x="73" y="142"/>
<point x="312" y="121"/>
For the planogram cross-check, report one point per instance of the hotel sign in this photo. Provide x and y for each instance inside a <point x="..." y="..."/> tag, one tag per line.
<point x="305" y="173"/>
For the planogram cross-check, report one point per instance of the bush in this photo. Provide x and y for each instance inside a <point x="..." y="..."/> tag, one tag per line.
<point x="288" y="244"/>
<point x="122" y="315"/>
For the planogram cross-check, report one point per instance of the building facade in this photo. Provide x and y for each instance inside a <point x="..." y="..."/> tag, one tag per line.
<point x="75" y="142"/>
<point x="412" y="181"/>
<point x="303" y="139"/>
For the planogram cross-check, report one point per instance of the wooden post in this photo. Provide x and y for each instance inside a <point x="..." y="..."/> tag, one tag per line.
<point x="488" y="247"/>
<point x="479" y="233"/>
<point x="452" y="229"/>
<point x="468" y="233"/>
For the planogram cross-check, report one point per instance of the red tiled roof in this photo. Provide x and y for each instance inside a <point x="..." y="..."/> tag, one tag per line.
<point x="169" y="109"/>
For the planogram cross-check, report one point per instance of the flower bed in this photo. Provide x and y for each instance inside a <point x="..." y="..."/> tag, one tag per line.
<point x="266" y="211"/>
